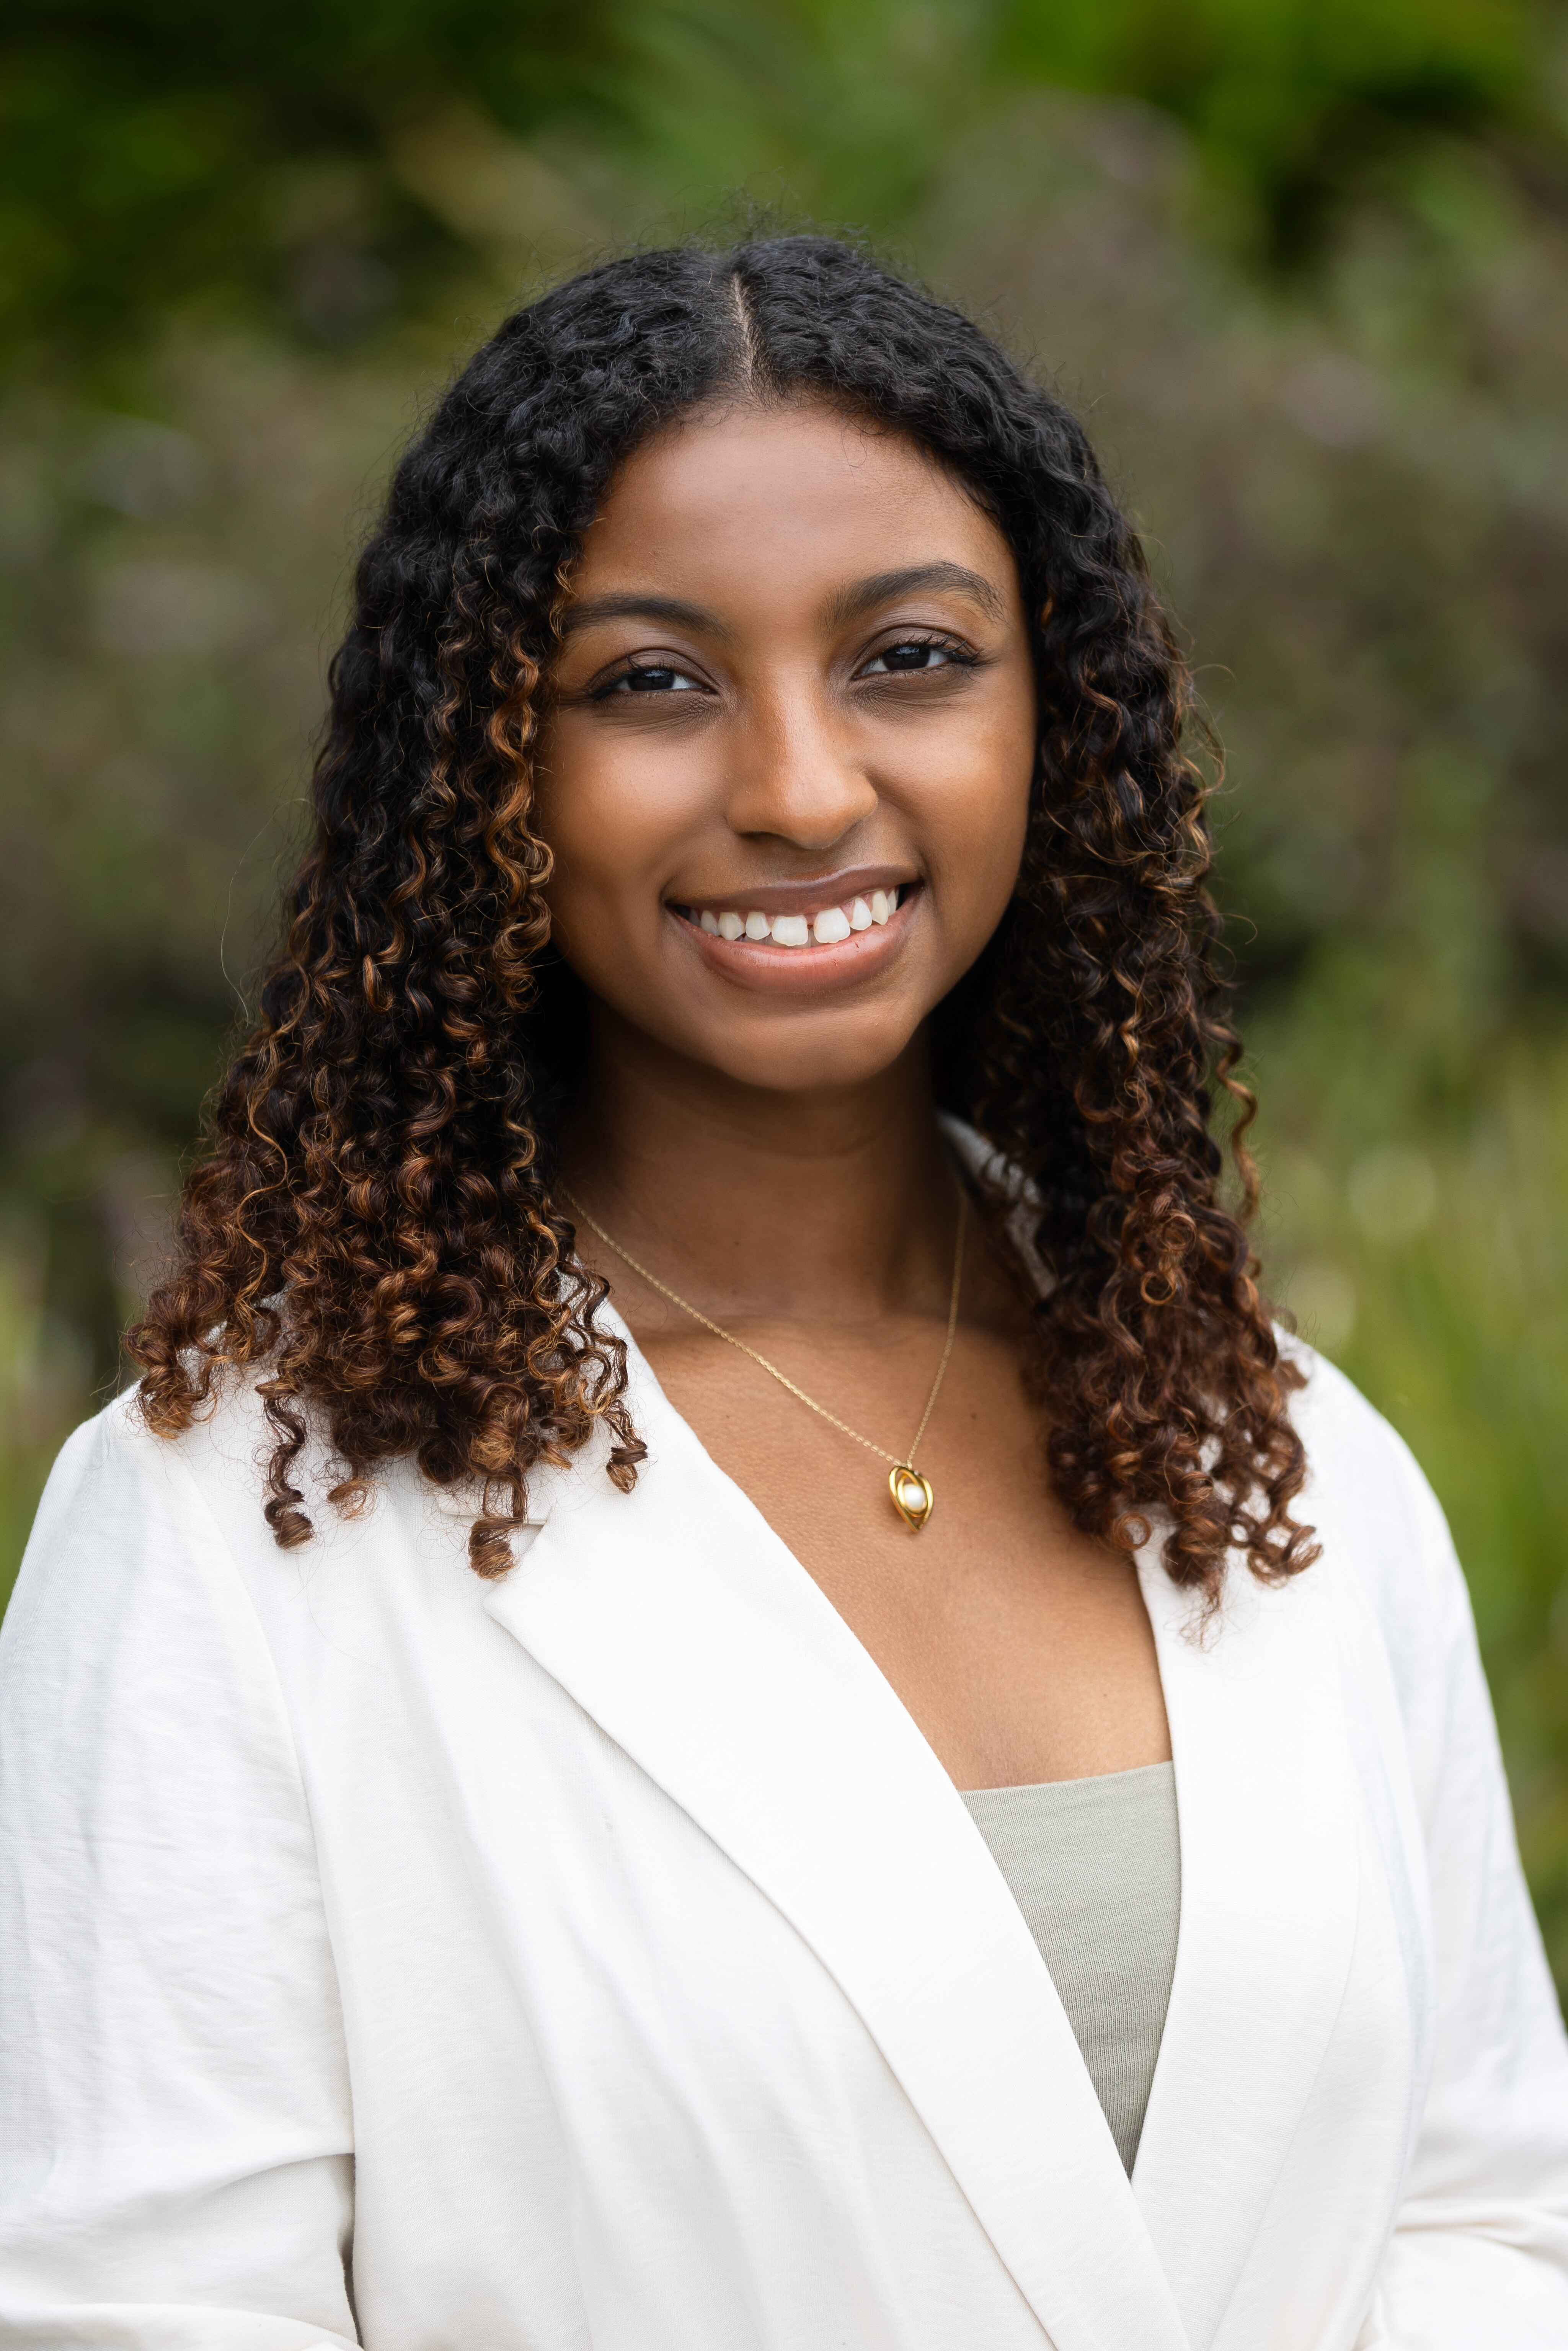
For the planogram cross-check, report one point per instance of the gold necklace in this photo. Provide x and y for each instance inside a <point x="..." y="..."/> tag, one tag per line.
<point x="909" y="1488"/>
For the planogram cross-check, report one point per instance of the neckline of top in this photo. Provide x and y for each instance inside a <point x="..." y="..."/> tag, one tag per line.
<point x="1098" y="1779"/>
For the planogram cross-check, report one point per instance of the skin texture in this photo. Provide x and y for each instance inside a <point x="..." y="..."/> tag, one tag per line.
<point x="783" y="749"/>
<point x="777" y="737"/>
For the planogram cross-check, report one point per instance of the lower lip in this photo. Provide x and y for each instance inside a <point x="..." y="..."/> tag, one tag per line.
<point x="773" y="970"/>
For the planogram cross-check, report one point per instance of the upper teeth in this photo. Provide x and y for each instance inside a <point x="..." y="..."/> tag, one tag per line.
<point x="824" y="929"/>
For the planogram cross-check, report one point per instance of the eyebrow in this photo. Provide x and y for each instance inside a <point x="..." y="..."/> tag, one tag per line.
<point x="636" y="606"/>
<point x="849" y="604"/>
<point x="854" y="603"/>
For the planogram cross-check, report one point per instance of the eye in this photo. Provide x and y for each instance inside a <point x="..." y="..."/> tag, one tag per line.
<point x="916" y="657"/>
<point x="649" y="677"/>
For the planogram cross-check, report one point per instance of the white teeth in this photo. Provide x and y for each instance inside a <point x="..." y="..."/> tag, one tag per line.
<point x="827" y="929"/>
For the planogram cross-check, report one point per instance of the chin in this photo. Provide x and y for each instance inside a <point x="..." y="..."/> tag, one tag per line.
<point x="825" y="1056"/>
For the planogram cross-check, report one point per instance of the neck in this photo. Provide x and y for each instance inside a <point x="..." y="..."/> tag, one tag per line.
<point x="817" y="1206"/>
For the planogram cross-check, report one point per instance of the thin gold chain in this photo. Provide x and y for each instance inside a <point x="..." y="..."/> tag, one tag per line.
<point x="899" y="1461"/>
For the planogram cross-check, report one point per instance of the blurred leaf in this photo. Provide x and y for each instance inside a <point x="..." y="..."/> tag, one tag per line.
<point x="1297" y="100"/>
<point x="148" y="149"/>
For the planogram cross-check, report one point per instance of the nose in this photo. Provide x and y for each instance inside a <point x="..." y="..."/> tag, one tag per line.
<point x="793" y="776"/>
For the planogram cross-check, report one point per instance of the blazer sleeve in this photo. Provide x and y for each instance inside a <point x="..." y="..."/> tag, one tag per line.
<point x="1480" y="2253"/>
<point x="173" y="2093"/>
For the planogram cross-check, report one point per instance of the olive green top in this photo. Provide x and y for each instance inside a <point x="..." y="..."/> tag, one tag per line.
<point x="1095" y="1868"/>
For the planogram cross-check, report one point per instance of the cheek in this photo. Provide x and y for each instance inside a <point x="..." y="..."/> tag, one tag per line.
<point x="611" y="814"/>
<point x="975" y="814"/>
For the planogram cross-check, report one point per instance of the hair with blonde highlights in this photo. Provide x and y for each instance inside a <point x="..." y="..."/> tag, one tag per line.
<point x="373" y="1232"/>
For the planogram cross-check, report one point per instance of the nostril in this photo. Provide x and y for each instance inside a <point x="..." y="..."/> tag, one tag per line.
<point x="809" y="801"/>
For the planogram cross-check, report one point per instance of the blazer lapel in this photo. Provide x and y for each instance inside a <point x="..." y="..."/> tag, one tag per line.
<point x="1269" y="1903"/>
<point x="679" y="1621"/>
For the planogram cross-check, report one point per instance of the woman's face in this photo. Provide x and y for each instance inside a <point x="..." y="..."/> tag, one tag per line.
<point x="786" y="769"/>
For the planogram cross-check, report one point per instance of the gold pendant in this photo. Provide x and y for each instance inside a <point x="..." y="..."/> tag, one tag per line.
<point x="912" y="1496"/>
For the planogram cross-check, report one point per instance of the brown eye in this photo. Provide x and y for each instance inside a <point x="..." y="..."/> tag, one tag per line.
<point x="649" y="677"/>
<point x="914" y="657"/>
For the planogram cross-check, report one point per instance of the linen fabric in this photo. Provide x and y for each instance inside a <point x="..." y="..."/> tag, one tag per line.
<point x="601" y="1957"/>
<point x="1094" y="1865"/>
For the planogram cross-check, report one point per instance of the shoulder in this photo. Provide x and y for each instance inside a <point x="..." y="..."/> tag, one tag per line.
<point x="125" y="1527"/>
<point x="1348" y="1440"/>
<point x="118" y="1478"/>
<point x="136" y="1679"/>
<point x="140" y="1540"/>
<point x="146" y="1541"/>
<point x="1358" y="1464"/>
<point x="1380" y="1524"/>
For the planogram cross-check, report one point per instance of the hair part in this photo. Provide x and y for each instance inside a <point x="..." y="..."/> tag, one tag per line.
<point x="373" y="1232"/>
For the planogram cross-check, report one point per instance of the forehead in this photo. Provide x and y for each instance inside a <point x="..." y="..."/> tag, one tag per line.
<point x="794" y="496"/>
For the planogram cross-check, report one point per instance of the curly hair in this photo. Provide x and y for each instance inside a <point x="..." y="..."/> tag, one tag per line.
<point x="372" y="1230"/>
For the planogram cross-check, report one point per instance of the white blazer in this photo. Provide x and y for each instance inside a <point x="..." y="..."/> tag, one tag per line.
<point x="600" y="1961"/>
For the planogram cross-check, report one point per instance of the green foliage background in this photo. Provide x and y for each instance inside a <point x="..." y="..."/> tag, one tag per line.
<point x="1303" y="263"/>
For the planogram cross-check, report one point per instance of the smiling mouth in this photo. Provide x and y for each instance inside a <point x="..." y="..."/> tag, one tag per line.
<point x="827" y="925"/>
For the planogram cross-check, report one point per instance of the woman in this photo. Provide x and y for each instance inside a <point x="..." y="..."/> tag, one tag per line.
<point x="525" y="1834"/>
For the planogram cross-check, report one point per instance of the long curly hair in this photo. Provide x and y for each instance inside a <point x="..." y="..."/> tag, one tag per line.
<point x="372" y="1232"/>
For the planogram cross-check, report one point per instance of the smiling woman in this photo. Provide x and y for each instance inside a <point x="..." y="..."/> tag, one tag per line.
<point x="1055" y="1885"/>
<point x="872" y="732"/>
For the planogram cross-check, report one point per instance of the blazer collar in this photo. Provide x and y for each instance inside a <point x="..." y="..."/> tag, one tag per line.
<point x="689" y="1632"/>
<point x="681" y="1622"/>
